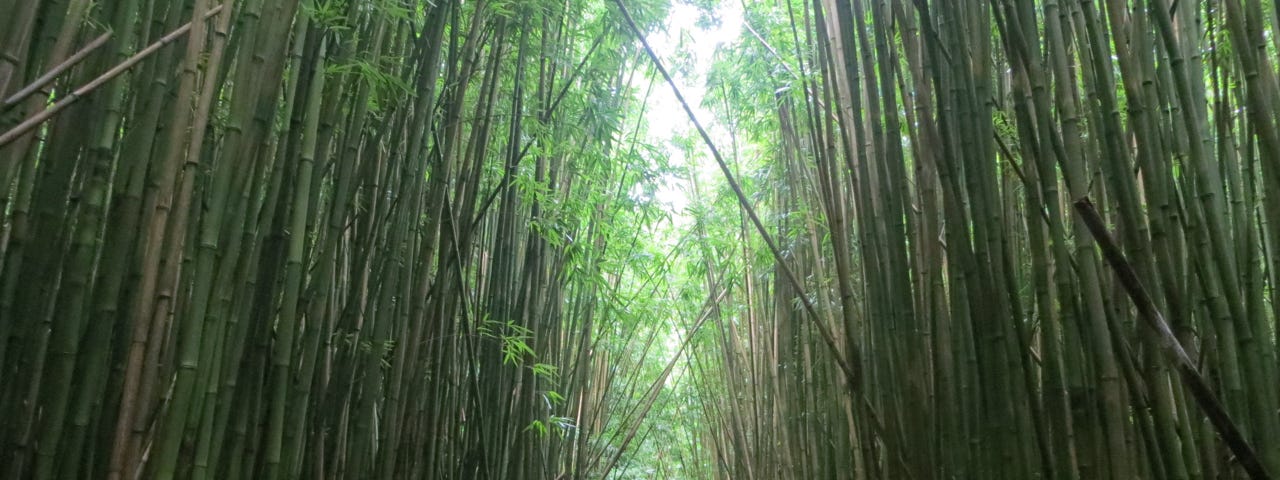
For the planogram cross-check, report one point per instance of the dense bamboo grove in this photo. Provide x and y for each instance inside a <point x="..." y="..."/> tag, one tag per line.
<point x="427" y="239"/>
<point x="922" y="159"/>
<point x="301" y="239"/>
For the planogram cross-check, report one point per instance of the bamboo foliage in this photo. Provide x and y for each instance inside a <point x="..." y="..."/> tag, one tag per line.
<point x="308" y="239"/>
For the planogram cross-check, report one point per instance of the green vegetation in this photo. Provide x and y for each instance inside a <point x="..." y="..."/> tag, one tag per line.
<point x="864" y="239"/>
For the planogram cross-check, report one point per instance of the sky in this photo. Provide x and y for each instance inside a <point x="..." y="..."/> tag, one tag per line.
<point x="664" y="115"/>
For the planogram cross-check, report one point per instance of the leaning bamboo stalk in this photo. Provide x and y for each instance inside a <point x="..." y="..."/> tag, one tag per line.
<point x="851" y="370"/>
<point x="850" y="365"/>
<point x="656" y="387"/>
<point x="39" y="118"/>
<point x="1196" y="384"/>
<point x="53" y="74"/>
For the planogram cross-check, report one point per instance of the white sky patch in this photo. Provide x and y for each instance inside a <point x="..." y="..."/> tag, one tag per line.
<point x="665" y="117"/>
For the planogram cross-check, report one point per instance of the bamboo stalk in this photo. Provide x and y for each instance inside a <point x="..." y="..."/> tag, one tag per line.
<point x="75" y="95"/>
<point x="1171" y="347"/>
<point x="53" y="73"/>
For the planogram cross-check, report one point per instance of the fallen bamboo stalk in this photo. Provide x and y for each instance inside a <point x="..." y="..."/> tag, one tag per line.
<point x="1191" y="377"/>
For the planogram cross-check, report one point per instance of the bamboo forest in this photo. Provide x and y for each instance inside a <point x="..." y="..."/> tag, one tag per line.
<point x="639" y="239"/>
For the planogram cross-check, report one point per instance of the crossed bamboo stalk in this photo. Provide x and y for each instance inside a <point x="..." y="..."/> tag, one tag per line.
<point x="34" y="121"/>
<point x="1169" y="344"/>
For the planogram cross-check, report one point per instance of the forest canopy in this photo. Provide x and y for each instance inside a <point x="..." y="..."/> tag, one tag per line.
<point x="639" y="239"/>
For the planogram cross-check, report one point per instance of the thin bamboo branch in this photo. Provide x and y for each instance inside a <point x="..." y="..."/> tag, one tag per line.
<point x="44" y="80"/>
<point x="39" y="118"/>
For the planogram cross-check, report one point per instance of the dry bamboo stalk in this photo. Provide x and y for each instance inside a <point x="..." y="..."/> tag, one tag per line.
<point x="39" y="118"/>
<point x="44" y="80"/>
